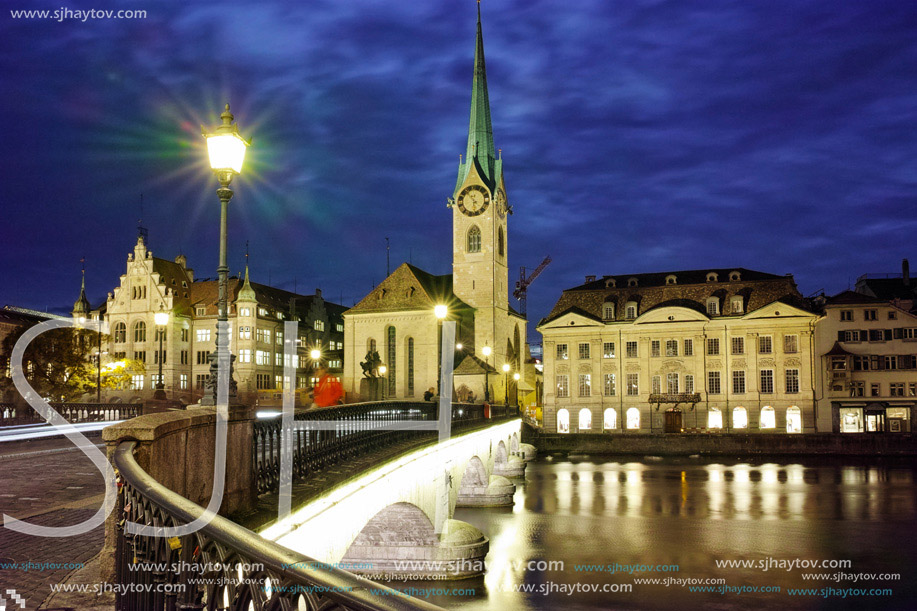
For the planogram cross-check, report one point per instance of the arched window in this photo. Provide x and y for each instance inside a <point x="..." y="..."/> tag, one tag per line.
<point x="630" y="310"/>
<point x="739" y="418"/>
<point x="768" y="418"/>
<point x="563" y="421"/>
<point x="633" y="418"/>
<point x="714" y="419"/>
<point x="120" y="333"/>
<point x="391" y="362"/>
<point x="140" y="331"/>
<point x="500" y="242"/>
<point x="410" y="359"/>
<point x="793" y="420"/>
<point x="474" y="239"/>
<point x="610" y="419"/>
<point x="585" y="419"/>
<point x="713" y="306"/>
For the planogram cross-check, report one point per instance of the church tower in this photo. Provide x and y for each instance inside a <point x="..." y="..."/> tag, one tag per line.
<point x="479" y="216"/>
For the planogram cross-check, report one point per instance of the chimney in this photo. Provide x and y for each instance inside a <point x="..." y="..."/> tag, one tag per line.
<point x="318" y="292"/>
<point x="590" y="278"/>
<point x="182" y="260"/>
<point x="906" y="272"/>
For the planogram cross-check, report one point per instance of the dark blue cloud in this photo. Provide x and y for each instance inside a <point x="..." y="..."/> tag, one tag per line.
<point x="637" y="136"/>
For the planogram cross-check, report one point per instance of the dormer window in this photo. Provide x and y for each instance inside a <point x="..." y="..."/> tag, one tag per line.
<point x="713" y="306"/>
<point x="630" y="310"/>
<point x="712" y="277"/>
<point x="734" y="276"/>
<point x="738" y="304"/>
<point x="631" y="282"/>
<point x="670" y="279"/>
<point x="609" y="283"/>
<point x="608" y="310"/>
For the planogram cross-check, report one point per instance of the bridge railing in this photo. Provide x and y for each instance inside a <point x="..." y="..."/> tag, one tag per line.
<point x="361" y="428"/>
<point x="223" y="566"/>
<point x="11" y="414"/>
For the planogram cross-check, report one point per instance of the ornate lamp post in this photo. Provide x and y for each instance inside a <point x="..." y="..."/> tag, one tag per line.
<point x="161" y="318"/>
<point x="506" y="383"/>
<point x="516" y="377"/>
<point x="486" y="352"/>
<point x="226" y="149"/>
<point x="440" y="311"/>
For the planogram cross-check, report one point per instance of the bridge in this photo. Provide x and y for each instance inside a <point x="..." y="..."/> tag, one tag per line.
<point x="373" y="486"/>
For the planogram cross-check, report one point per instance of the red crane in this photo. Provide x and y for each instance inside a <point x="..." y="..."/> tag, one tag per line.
<point x="523" y="283"/>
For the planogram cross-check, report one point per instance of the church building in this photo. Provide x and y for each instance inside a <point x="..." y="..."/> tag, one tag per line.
<point x="397" y="318"/>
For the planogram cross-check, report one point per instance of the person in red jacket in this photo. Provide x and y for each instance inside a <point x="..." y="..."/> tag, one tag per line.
<point x="328" y="391"/>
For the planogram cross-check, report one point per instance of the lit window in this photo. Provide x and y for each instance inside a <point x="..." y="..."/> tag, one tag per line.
<point x="737" y="304"/>
<point x="585" y="419"/>
<point x="768" y="418"/>
<point x="671" y="381"/>
<point x="183" y="381"/>
<point x="633" y="384"/>
<point x="245" y="312"/>
<point x="793" y="420"/>
<point x="563" y="421"/>
<point x="739" y="418"/>
<point x="633" y="418"/>
<point x="657" y="385"/>
<point x="610" y="419"/>
<point x="203" y="335"/>
<point x="245" y="332"/>
<point x="713" y="306"/>
<point x="608" y="350"/>
<point x="714" y="419"/>
<point x="689" y="384"/>
<point x="671" y="347"/>
<point x="245" y="356"/>
<point x="562" y="353"/>
<point x="137" y="382"/>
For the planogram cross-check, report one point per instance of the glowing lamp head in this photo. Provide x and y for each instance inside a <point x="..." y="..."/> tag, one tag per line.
<point x="225" y="146"/>
<point x="315" y="354"/>
<point x="382" y="369"/>
<point x="516" y="376"/>
<point x="486" y="350"/>
<point x="505" y="367"/>
<point x="161" y="318"/>
<point x="458" y="346"/>
<point x="440" y="311"/>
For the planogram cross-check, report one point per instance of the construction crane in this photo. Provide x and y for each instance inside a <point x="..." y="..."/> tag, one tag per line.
<point x="523" y="283"/>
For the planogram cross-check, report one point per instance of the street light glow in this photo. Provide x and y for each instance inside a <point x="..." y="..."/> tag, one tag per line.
<point x="486" y="350"/>
<point x="315" y="354"/>
<point x="382" y="370"/>
<point x="505" y="367"/>
<point x="440" y="311"/>
<point x="225" y="146"/>
<point x="161" y="318"/>
<point x="458" y="346"/>
<point x="516" y="376"/>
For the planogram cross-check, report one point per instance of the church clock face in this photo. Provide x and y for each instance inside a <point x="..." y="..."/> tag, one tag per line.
<point x="501" y="202"/>
<point x="473" y="200"/>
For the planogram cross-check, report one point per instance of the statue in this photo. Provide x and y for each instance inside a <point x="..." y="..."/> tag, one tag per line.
<point x="371" y="364"/>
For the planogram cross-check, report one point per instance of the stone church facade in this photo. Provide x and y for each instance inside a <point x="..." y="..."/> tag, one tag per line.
<point x="397" y="318"/>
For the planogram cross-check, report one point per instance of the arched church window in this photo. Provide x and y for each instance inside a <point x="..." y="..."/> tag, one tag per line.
<point x="474" y="239"/>
<point x="390" y="345"/>
<point x="501" y="243"/>
<point x="120" y="333"/>
<point x="140" y="332"/>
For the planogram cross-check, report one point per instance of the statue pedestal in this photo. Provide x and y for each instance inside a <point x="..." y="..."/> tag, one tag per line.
<point x="371" y="389"/>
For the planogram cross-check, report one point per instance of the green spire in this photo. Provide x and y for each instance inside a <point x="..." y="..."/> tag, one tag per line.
<point x="480" y="132"/>
<point x="82" y="304"/>
<point x="246" y="293"/>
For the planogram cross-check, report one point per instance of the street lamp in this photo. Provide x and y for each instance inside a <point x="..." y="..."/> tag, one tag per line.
<point x="161" y="318"/>
<point x="486" y="352"/>
<point x="506" y="383"/>
<point x="226" y="149"/>
<point x="440" y="311"/>
<point x="382" y="370"/>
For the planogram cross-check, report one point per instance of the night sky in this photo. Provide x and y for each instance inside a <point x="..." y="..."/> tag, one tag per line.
<point x="637" y="136"/>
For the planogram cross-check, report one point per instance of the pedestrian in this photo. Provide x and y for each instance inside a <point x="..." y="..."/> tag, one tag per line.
<point x="328" y="391"/>
<point x="428" y="396"/>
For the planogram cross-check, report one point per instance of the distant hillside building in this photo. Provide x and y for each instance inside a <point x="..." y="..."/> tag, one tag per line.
<point x="708" y="350"/>
<point x="867" y="347"/>
<point x="397" y="319"/>
<point x="256" y="314"/>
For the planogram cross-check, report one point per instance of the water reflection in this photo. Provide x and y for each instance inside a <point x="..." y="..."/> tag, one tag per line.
<point x="691" y="513"/>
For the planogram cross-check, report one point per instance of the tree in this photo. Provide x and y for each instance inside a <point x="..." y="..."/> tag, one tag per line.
<point x="59" y="364"/>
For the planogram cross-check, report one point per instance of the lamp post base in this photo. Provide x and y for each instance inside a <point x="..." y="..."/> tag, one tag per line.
<point x="159" y="395"/>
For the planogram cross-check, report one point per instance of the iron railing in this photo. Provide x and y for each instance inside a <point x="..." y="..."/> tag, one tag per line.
<point x="362" y="430"/>
<point x="11" y="415"/>
<point x="223" y="566"/>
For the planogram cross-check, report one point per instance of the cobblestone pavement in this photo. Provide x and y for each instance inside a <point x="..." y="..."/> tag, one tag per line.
<point x="52" y="483"/>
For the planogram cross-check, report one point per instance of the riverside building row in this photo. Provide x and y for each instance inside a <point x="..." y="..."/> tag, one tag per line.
<point x="729" y="351"/>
